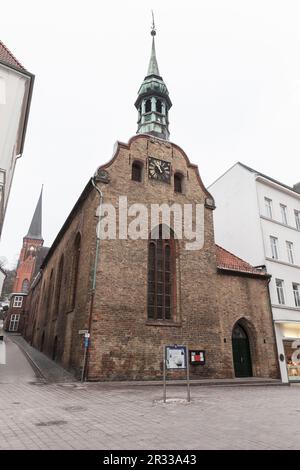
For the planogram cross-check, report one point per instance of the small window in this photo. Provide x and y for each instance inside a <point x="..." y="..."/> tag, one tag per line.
<point x="14" y="322"/>
<point x="280" y="291"/>
<point x="290" y="252"/>
<point x="296" y="290"/>
<point x="148" y="106"/>
<point x="178" y="182"/>
<point x="297" y="219"/>
<point x="18" y="301"/>
<point x="284" y="216"/>
<point x="274" y="247"/>
<point x="2" y="91"/>
<point x="158" y="106"/>
<point x="25" y="286"/>
<point x="268" y="206"/>
<point x="136" y="173"/>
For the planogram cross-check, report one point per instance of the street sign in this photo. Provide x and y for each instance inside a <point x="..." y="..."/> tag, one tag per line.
<point x="83" y="332"/>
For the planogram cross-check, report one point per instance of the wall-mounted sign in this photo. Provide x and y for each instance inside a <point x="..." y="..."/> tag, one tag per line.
<point x="175" y="357"/>
<point x="197" y="357"/>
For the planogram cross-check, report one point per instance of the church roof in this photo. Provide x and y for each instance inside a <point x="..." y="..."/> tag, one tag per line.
<point x="35" y="229"/>
<point x="41" y="255"/>
<point x="228" y="261"/>
<point x="8" y="58"/>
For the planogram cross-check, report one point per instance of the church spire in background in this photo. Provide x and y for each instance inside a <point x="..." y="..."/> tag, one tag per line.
<point x="35" y="229"/>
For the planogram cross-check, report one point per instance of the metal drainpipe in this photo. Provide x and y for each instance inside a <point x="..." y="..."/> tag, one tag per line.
<point x="96" y="260"/>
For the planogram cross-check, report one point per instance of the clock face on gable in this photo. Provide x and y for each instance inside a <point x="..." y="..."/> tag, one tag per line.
<point x="159" y="170"/>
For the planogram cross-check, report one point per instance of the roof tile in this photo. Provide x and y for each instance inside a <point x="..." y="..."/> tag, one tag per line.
<point x="7" y="57"/>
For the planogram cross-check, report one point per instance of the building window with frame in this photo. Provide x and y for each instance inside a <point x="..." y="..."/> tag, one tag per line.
<point x="161" y="276"/>
<point x="296" y="291"/>
<point x="14" y="322"/>
<point x="18" y="301"/>
<point x="274" y="247"/>
<point x="280" y="291"/>
<point x="137" y="171"/>
<point x="25" y="286"/>
<point x="178" y="180"/>
<point x="268" y="208"/>
<point x="297" y="219"/>
<point x="284" y="217"/>
<point x="290" y="252"/>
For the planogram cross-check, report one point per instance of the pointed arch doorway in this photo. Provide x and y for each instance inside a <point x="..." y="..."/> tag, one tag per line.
<point x="241" y="352"/>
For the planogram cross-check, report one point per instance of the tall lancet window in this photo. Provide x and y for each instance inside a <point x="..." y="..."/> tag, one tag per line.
<point x="75" y="269"/>
<point x="161" y="274"/>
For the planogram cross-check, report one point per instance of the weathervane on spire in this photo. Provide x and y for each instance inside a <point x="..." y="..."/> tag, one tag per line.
<point x="153" y="30"/>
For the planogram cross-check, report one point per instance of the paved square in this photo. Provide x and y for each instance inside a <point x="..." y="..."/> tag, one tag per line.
<point x="39" y="415"/>
<point x="93" y="416"/>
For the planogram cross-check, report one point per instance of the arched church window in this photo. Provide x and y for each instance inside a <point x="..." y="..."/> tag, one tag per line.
<point x="136" y="171"/>
<point x="58" y="286"/>
<point x="159" y="106"/>
<point x="161" y="276"/>
<point x="75" y="268"/>
<point x="178" y="180"/>
<point x="25" y="286"/>
<point x="148" y="106"/>
<point x="49" y="292"/>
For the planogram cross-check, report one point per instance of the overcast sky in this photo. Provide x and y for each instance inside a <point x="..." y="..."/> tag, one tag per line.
<point x="232" y="69"/>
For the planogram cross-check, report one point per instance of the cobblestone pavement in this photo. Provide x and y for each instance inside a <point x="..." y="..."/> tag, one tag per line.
<point x="36" y="415"/>
<point x="93" y="416"/>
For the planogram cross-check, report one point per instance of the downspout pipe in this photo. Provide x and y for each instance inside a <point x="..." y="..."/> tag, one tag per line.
<point x="94" y="277"/>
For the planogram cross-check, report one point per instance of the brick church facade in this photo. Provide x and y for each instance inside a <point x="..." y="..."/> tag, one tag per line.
<point x="31" y="256"/>
<point x="135" y="296"/>
<point x="30" y="251"/>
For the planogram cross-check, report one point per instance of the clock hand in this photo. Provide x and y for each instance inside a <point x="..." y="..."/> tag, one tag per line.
<point x="158" y="166"/>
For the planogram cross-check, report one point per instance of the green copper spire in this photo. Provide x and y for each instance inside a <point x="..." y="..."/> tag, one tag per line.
<point x="153" y="102"/>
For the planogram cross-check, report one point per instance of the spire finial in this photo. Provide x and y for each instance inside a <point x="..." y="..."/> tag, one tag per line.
<point x="153" y="29"/>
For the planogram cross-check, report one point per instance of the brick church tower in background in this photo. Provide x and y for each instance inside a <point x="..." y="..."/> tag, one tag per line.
<point x="32" y="245"/>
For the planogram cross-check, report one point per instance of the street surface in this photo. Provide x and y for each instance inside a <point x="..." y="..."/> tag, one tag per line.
<point x="36" y="415"/>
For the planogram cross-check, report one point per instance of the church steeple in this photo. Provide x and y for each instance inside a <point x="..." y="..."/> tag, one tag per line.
<point x="35" y="229"/>
<point x="31" y="251"/>
<point x="153" y="102"/>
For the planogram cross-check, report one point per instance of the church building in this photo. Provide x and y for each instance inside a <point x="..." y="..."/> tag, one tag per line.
<point x="134" y="295"/>
<point x="31" y="252"/>
<point x="30" y="259"/>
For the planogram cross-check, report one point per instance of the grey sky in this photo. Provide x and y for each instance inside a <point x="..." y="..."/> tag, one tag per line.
<point x="232" y="69"/>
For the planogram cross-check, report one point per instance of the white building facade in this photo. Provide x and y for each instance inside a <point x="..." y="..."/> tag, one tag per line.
<point x="258" y="218"/>
<point x="16" y="86"/>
